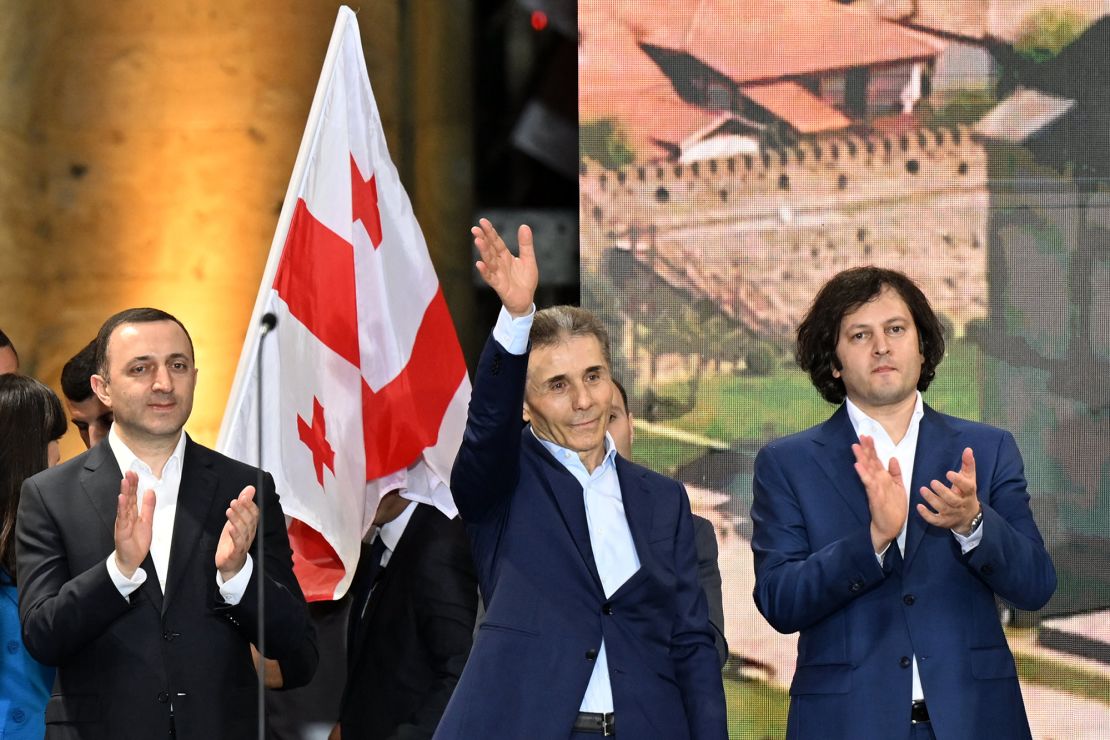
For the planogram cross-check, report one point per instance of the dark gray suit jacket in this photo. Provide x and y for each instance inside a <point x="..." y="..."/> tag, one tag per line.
<point x="709" y="577"/>
<point x="123" y="663"/>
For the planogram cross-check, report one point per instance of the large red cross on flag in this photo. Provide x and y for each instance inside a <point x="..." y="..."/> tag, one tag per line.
<point x="365" y="384"/>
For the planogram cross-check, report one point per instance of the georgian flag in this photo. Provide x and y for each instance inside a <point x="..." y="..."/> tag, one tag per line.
<point x="365" y="384"/>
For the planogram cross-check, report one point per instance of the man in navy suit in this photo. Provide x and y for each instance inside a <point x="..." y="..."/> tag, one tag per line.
<point x="884" y="534"/>
<point x="595" y="624"/>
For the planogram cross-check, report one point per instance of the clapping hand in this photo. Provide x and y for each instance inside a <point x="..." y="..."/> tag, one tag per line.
<point x="952" y="507"/>
<point x="238" y="534"/>
<point x="134" y="526"/>
<point x="886" y="493"/>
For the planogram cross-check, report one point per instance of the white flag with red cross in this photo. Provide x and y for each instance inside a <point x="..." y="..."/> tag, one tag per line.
<point x="365" y="386"/>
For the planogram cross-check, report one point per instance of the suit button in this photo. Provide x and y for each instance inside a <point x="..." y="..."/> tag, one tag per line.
<point x="167" y="636"/>
<point x="13" y="646"/>
<point x="908" y="599"/>
<point x="904" y="662"/>
<point x="855" y="587"/>
<point x="986" y="570"/>
<point x="591" y="654"/>
<point x="607" y="610"/>
<point x="18" y="715"/>
<point x="163" y="697"/>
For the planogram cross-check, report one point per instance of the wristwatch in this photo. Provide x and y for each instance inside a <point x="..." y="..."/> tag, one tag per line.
<point x="974" y="523"/>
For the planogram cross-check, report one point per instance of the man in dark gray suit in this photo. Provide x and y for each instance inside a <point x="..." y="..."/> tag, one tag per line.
<point x="705" y="538"/>
<point x="149" y="611"/>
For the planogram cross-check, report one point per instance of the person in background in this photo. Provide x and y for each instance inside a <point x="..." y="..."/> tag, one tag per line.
<point x="87" y="412"/>
<point x="9" y="358"/>
<point x="31" y="421"/>
<point x="413" y="604"/>
<point x="705" y="538"/>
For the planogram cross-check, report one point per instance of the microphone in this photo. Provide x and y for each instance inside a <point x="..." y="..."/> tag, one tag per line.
<point x="268" y="322"/>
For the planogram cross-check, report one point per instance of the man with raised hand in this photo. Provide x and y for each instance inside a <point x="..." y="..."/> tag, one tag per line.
<point x="884" y="534"/>
<point x="595" y="624"/>
<point x="148" y="603"/>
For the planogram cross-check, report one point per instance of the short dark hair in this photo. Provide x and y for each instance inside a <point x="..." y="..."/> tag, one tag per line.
<point x="845" y="292"/>
<point x="5" y="342"/>
<point x="76" y="374"/>
<point x="131" y="316"/>
<point x="623" y="392"/>
<point x="31" y="417"/>
<point x="552" y="325"/>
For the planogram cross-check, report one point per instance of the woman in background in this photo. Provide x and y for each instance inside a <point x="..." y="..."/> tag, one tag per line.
<point x="31" y="422"/>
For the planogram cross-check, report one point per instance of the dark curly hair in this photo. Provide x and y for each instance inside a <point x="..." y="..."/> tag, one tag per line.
<point x="845" y="292"/>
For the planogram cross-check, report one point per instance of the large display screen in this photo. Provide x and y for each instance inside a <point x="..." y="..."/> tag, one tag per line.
<point x="736" y="154"/>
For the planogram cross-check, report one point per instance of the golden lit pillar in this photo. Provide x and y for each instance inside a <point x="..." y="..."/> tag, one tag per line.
<point x="436" y="143"/>
<point x="145" y="150"/>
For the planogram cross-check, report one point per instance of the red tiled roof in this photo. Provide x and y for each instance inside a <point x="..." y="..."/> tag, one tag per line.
<point x="617" y="80"/>
<point x="797" y="106"/>
<point x="758" y="40"/>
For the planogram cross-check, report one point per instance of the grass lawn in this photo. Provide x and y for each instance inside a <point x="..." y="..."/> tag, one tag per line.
<point x="756" y="710"/>
<point x="747" y="408"/>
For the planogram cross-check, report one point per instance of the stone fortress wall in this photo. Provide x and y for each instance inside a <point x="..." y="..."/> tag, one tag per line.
<point x="759" y="234"/>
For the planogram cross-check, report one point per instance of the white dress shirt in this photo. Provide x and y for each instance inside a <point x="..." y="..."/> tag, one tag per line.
<point x="166" y="490"/>
<point x="391" y="532"/>
<point x="905" y="452"/>
<point x="610" y="538"/>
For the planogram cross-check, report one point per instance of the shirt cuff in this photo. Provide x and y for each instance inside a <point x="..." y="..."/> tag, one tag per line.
<point x="232" y="591"/>
<point x="882" y="555"/>
<point x="126" y="586"/>
<point x="971" y="541"/>
<point x="512" y="334"/>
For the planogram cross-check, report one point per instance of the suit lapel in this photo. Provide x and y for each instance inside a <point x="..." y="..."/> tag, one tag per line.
<point x="835" y="438"/>
<point x="411" y="537"/>
<point x="195" y="499"/>
<point x="935" y="455"/>
<point x="567" y="494"/>
<point x="639" y="511"/>
<point x="100" y="480"/>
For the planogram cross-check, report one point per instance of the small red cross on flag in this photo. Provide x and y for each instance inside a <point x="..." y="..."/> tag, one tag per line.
<point x="315" y="437"/>
<point x="365" y="385"/>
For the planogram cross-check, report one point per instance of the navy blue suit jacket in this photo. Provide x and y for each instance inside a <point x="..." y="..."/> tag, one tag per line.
<point x="817" y="574"/>
<point x="546" y="612"/>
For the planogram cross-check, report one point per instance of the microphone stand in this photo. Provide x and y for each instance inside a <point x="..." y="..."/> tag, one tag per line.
<point x="269" y="321"/>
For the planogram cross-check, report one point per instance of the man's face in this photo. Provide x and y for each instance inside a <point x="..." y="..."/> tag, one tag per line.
<point x="879" y="352"/>
<point x="9" y="363"/>
<point x="390" y="507"/>
<point x="567" y="396"/>
<point x="620" y="425"/>
<point x="150" y="382"/>
<point x="91" y="417"/>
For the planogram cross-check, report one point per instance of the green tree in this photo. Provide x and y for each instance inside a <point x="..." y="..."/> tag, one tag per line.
<point x="604" y="141"/>
<point x="1046" y="32"/>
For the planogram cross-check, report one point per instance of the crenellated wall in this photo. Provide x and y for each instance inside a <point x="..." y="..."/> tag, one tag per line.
<point x="759" y="234"/>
